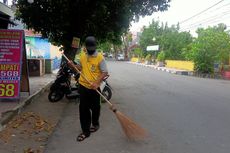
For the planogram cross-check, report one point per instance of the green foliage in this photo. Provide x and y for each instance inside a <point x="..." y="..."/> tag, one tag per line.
<point x="174" y="42"/>
<point x="187" y="53"/>
<point x="106" y="47"/>
<point x="212" y="45"/>
<point x="148" y="57"/>
<point x="138" y="52"/>
<point x="61" y="20"/>
<point x="153" y="31"/>
<point x="169" y="39"/>
<point x="161" y="56"/>
<point x="226" y="67"/>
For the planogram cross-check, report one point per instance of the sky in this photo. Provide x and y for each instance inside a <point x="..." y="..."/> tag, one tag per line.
<point x="191" y="14"/>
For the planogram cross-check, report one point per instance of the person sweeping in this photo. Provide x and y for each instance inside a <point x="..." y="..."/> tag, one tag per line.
<point x="93" y="67"/>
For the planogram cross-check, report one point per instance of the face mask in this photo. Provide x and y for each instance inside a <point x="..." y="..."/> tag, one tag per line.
<point x="90" y="52"/>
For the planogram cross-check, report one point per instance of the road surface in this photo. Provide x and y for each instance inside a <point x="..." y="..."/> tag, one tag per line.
<point x="182" y="115"/>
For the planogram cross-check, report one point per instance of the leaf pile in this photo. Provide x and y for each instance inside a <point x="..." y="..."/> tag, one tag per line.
<point x="27" y="124"/>
<point x="29" y="150"/>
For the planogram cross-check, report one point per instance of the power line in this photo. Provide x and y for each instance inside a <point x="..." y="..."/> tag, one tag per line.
<point x="221" y="7"/>
<point x="208" y="20"/>
<point x="215" y="19"/>
<point x="211" y="19"/>
<point x="224" y="9"/>
<point x="200" y="24"/>
<point x="201" y="12"/>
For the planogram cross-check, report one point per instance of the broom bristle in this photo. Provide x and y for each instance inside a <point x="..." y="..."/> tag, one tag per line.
<point x="130" y="128"/>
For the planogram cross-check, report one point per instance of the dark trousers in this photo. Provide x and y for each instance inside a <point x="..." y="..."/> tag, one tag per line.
<point x="89" y="108"/>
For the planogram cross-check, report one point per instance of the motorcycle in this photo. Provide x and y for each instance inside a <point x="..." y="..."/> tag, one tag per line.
<point x="62" y="85"/>
<point x="106" y="89"/>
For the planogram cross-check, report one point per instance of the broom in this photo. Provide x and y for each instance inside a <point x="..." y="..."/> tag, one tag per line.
<point x="132" y="130"/>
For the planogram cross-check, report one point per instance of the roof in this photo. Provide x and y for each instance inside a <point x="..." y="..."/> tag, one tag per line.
<point x="31" y="33"/>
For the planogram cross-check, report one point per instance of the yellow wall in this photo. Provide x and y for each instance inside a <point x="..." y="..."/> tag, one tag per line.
<point x="184" y="65"/>
<point x="134" y="59"/>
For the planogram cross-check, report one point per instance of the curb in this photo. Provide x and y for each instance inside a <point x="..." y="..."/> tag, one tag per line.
<point x="178" y="72"/>
<point x="174" y="71"/>
<point x="8" y="115"/>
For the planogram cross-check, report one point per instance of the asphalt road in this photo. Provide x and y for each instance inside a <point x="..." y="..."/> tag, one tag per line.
<point x="182" y="115"/>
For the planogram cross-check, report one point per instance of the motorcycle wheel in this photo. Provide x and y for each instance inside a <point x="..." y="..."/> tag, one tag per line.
<point x="55" y="96"/>
<point x="107" y="93"/>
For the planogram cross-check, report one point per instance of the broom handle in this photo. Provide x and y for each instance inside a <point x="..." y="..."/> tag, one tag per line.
<point x="76" y="69"/>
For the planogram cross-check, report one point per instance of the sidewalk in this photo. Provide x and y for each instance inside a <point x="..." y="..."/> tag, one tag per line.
<point x="38" y="85"/>
<point x="169" y="70"/>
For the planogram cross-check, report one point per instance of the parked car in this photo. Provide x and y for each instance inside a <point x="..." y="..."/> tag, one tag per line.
<point x="110" y="56"/>
<point x="105" y="54"/>
<point x="120" y="57"/>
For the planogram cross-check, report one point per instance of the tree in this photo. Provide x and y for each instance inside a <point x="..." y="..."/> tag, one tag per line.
<point x="126" y="39"/>
<point x="105" y="46"/>
<point x="61" y="20"/>
<point x="170" y="40"/>
<point x="161" y="56"/>
<point x="153" y="31"/>
<point x="173" y="42"/>
<point x="138" y="52"/>
<point x="212" y="45"/>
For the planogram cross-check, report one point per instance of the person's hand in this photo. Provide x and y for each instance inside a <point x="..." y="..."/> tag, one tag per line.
<point x="95" y="85"/>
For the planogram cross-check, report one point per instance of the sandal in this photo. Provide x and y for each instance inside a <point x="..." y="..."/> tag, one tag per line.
<point x="82" y="137"/>
<point x="94" y="128"/>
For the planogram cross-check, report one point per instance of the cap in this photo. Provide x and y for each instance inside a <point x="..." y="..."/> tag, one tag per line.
<point x="90" y="43"/>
